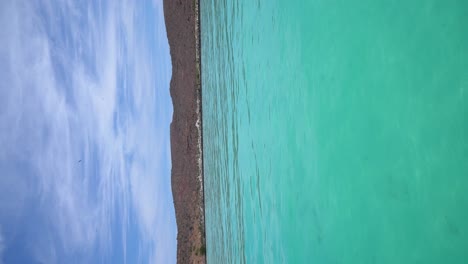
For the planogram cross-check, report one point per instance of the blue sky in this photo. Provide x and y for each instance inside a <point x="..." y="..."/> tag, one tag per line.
<point x="84" y="133"/>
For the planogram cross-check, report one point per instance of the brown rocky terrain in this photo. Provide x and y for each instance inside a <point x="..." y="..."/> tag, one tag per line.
<point x="181" y="17"/>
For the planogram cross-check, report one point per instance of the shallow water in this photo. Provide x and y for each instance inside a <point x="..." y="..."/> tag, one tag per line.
<point x="335" y="131"/>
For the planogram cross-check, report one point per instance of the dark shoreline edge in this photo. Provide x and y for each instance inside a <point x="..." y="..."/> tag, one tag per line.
<point x="182" y="18"/>
<point x="200" y="96"/>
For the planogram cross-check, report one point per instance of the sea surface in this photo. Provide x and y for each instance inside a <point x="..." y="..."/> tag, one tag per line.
<point x="335" y="131"/>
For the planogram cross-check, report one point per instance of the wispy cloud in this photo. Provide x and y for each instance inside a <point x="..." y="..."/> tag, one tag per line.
<point x="84" y="121"/>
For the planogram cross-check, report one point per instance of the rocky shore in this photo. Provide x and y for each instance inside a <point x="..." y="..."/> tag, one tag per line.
<point x="182" y="24"/>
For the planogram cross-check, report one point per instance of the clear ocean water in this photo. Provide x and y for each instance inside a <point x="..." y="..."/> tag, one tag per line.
<point x="335" y="131"/>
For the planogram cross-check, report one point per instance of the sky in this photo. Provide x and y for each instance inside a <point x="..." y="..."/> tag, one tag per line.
<point x="85" y="112"/>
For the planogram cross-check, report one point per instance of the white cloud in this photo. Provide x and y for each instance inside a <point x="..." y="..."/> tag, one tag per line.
<point x="89" y="156"/>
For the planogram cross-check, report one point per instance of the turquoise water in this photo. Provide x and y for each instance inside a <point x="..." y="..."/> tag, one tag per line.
<point x="335" y="131"/>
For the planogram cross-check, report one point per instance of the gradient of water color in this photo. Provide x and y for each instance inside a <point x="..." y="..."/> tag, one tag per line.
<point x="335" y="131"/>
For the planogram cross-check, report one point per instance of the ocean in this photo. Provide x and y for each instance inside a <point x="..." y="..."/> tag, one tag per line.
<point x="335" y="131"/>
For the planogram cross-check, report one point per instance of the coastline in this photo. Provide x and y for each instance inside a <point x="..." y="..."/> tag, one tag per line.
<point x="182" y="20"/>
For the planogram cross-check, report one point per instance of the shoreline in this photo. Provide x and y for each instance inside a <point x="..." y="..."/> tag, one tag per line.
<point x="182" y="20"/>
<point x="200" y="116"/>
<point x="201" y="175"/>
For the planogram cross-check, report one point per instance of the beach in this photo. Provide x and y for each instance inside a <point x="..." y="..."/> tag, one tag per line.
<point x="182" y="26"/>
